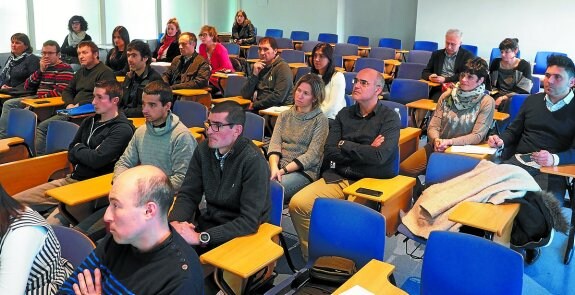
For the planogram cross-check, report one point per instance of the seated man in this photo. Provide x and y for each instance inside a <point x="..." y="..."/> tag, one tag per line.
<point x="362" y="142"/>
<point x="446" y="64"/>
<point x="143" y="254"/>
<point x="272" y="79"/>
<point x="48" y="81"/>
<point x="188" y="70"/>
<point x="80" y="90"/>
<point x="98" y="144"/>
<point x="140" y="74"/>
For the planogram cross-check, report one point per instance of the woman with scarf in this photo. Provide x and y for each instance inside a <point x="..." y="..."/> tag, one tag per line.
<point x="77" y="26"/>
<point x="168" y="47"/>
<point x="463" y="116"/>
<point x="21" y="63"/>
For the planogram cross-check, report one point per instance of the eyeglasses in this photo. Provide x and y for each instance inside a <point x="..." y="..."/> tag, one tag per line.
<point x="363" y="83"/>
<point x="48" y="53"/>
<point x="75" y="22"/>
<point x="203" y="35"/>
<point x="467" y="76"/>
<point x="216" y="126"/>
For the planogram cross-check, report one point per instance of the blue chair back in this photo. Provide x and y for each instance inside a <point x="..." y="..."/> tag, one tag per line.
<point x="345" y="229"/>
<point x="382" y="53"/>
<point x="349" y="76"/>
<point x="515" y="105"/>
<point x="398" y="108"/>
<point x="367" y="62"/>
<point x="74" y="245"/>
<point x="345" y="49"/>
<point x="457" y="263"/>
<point x="191" y="113"/>
<point x="419" y="56"/>
<point x="348" y="100"/>
<point x="327" y="38"/>
<point x="337" y="60"/>
<point x="358" y="40"/>
<point x="405" y="91"/>
<point x="253" y="52"/>
<point x="540" y="65"/>
<point x="232" y="48"/>
<point x="293" y="56"/>
<point x="300" y="72"/>
<point x="411" y="71"/>
<point x="254" y="127"/>
<point x="234" y="85"/>
<point x="299" y="35"/>
<point x="22" y="123"/>
<point x="495" y="53"/>
<point x="284" y="43"/>
<point x="274" y="33"/>
<point x="307" y="46"/>
<point x="471" y="48"/>
<point x="390" y="43"/>
<point x="536" y="84"/>
<point x="425" y="45"/>
<point x="277" y="201"/>
<point x="59" y="136"/>
<point x="442" y="167"/>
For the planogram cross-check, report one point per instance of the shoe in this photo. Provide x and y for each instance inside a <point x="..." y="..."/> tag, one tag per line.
<point x="531" y="255"/>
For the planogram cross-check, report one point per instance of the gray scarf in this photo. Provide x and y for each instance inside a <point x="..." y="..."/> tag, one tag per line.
<point x="10" y="63"/>
<point x="463" y="100"/>
<point x="74" y="39"/>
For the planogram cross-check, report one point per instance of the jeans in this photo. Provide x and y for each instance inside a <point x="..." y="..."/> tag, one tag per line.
<point x="293" y="183"/>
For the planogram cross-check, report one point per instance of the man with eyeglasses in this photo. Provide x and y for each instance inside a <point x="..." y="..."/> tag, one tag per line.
<point x="189" y="70"/>
<point x="48" y="81"/>
<point x="362" y="142"/>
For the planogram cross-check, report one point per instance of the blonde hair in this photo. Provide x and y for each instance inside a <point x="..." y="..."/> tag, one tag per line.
<point x="174" y="21"/>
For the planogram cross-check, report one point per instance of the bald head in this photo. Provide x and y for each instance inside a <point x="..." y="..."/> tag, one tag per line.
<point x="368" y="85"/>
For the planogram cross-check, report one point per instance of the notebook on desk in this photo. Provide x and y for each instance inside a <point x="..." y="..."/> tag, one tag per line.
<point x="81" y="110"/>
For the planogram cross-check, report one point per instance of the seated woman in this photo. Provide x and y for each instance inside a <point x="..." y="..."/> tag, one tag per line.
<point x="322" y="65"/>
<point x="463" y="116"/>
<point x="243" y="31"/>
<point x="77" y="26"/>
<point x="296" y="147"/>
<point x="214" y="52"/>
<point x="117" y="59"/>
<point x="21" y="63"/>
<point x="168" y="47"/>
<point x="30" y="261"/>
<point x="509" y="75"/>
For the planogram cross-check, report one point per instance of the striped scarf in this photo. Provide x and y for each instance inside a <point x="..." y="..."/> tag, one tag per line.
<point x="10" y="63"/>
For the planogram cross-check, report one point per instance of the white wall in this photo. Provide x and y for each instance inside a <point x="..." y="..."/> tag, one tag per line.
<point x="486" y="23"/>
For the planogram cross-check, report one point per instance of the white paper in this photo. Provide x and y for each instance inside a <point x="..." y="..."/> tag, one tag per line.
<point x="278" y="109"/>
<point x="473" y="149"/>
<point x="356" y="290"/>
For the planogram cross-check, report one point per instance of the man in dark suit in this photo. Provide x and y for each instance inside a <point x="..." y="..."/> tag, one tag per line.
<point x="446" y="64"/>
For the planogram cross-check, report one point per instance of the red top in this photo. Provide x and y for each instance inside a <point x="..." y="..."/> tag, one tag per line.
<point x="219" y="60"/>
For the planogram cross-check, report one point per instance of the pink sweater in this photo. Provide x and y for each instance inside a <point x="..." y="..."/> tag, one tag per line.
<point x="219" y="60"/>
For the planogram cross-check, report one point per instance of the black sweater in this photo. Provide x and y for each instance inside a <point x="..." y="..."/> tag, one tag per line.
<point x="134" y="88"/>
<point x="81" y="88"/>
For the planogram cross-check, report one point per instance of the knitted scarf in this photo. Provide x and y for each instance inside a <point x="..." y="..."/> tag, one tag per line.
<point x="167" y="41"/>
<point x="75" y="38"/>
<point x="11" y="62"/>
<point x="463" y="100"/>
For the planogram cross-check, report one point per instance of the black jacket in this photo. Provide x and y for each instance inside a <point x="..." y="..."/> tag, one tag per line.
<point x="246" y="34"/>
<point x="173" y="51"/>
<point x="133" y="86"/>
<point x="96" y="147"/>
<point x="435" y="64"/>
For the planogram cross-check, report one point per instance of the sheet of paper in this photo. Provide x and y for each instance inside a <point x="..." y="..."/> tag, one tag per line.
<point x="278" y="109"/>
<point x="357" y="290"/>
<point x="473" y="149"/>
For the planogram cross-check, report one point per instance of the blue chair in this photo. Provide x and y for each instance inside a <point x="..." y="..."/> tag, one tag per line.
<point x="307" y="46"/>
<point x="410" y="71"/>
<point x="344" y="49"/>
<point x="191" y="113"/>
<point x="74" y="245"/>
<point x="471" y="48"/>
<point x="254" y="127"/>
<point x="300" y="72"/>
<point x="274" y="33"/>
<point x="233" y="48"/>
<point x="515" y="105"/>
<point x="400" y="109"/>
<point x="360" y="236"/>
<point x="284" y="43"/>
<point x="419" y="56"/>
<point x="405" y="91"/>
<point x="59" y="136"/>
<point x="372" y="63"/>
<point x="337" y="60"/>
<point x="299" y="35"/>
<point x="536" y="84"/>
<point x="348" y="100"/>
<point x="358" y="40"/>
<point x="382" y="53"/>
<point x="253" y="52"/>
<point x="293" y="56"/>
<point x="540" y="65"/>
<point x="425" y="45"/>
<point x="22" y="123"/>
<point x="495" y="53"/>
<point x="457" y="263"/>
<point x="327" y="38"/>
<point x="349" y="76"/>
<point x="390" y="43"/>
<point x="234" y="85"/>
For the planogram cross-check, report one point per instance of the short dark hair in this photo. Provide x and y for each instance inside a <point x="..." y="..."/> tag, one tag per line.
<point x="24" y="39"/>
<point x="160" y="88"/>
<point x="112" y="87"/>
<point x="563" y="62"/>
<point x="157" y="189"/>
<point x="142" y="47"/>
<point x="52" y="43"/>
<point x="509" y="43"/>
<point x="271" y="41"/>
<point x="236" y="114"/>
<point x="476" y="66"/>
<point x="78" y="18"/>
<point x="327" y="51"/>
<point x="93" y="47"/>
<point x="9" y="209"/>
<point x="191" y="36"/>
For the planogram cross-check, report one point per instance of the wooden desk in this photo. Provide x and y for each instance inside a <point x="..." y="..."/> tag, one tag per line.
<point x="363" y="50"/>
<point x="274" y="111"/>
<point x="297" y="44"/>
<point x="401" y="52"/>
<point x="296" y="65"/>
<point x="498" y="116"/>
<point x="223" y="79"/>
<point x="423" y="104"/>
<point x="567" y="171"/>
<point x="198" y="95"/>
<point x="430" y="84"/>
<point x="397" y="193"/>
<point x="160" y="66"/>
<point x="374" y="277"/>
<point x="198" y="136"/>
<point x="43" y="107"/>
<point x="5" y="96"/>
<point x="252" y="60"/>
<point x="224" y="37"/>
<point x="393" y="62"/>
<point x="13" y="149"/>
<point x="83" y="191"/>
<point x="120" y="79"/>
<point x="494" y="219"/>
<point x="478" y="156"/>
<point x="408" y="142"/>
<point x="349" y="62"/>
<point x="7" y="142"/>
<point x="340" y="69"/>
<point x="138" y="121"/>
<point x="242" y="101"/>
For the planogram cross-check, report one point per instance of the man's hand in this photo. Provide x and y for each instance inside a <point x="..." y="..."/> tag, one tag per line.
<point x="258" y="66"/>
<point x="543" y="158"/>
<point x="494" y="141"/>
<point x="5" y="87"/>
<point x="70" y="106"/>
<point x="378" y="141"/>
<point x="187" y="231"/>
<point x="44" y="64"/>
<point x="87" y="286"/>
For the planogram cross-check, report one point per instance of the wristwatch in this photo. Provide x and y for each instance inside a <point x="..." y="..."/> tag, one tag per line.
<point x="204" y="238"/>
<point x="340" y="143"/>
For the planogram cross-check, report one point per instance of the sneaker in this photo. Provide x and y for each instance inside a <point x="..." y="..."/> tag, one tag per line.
<point x="531" y="255"/>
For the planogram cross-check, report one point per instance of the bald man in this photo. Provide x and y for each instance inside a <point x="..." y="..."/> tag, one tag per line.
<point x="142" y="254"/>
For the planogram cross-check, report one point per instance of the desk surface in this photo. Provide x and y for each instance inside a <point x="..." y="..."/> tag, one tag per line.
<point x="138" y="121"/>
<point x="242" y="101"/>
<point x="562" y="170"/>
<point x="83" y="191"/>
<point x="424" y="104"/>
<point x="374" y="277"/>
<point x="252" y="60"/>
<point x="5" y="96"/>
<point x="43" y="102"/>
<point x="351" y="57"/>
<point x="485" y="216"/>
<point x="120" y="79"/>
<point x="408" y="133"/>
<point x="295" y="65"/>
<point x="274" y="111"/>
<point x="393" y="62"/>
<point x="225" y="76"/>
<point x="498" y="116"/>
<point x="478" y="156"/>
<point x="244" y="256"/>
<point x="390" y="187"/>
<point x="189" y="92"/>
<point x="430" y="84"/>
<point x="7" y="142"/>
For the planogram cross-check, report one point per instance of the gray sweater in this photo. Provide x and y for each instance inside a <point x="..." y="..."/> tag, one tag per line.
<point x="300" y="138"/>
